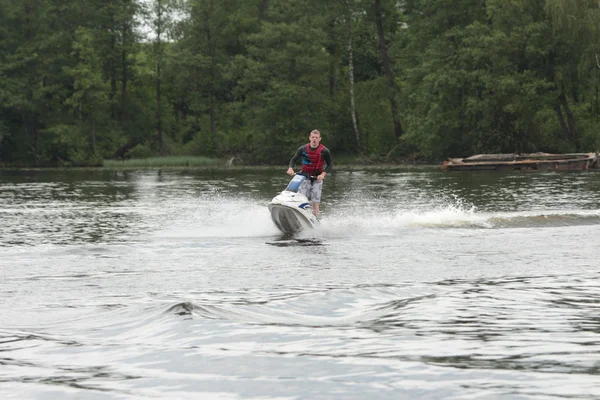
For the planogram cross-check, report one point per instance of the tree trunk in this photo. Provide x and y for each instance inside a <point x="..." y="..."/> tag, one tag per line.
<point x="158" y="44"/>
<point x="113" y="66"/>
<point x="113" y="91"/>
<point x="351" y="81"/>
<point x="158" y="110"/>
<point x="332" y="50"/>
<point x="34" y="134"/>
<point x="29" y="114"/>
<point x="383" y="52"/>
<point x="92" y="133"/>
<point x="262" y="9"/>
<point x="211" y="54"/>
<point x="213" y="123"/>
<point x="596" y="107"/>
<point x="570" y="116"/>
<point x="561" y="120"/>
<point x="93" y="139"/>
<point x="123" y="113"/>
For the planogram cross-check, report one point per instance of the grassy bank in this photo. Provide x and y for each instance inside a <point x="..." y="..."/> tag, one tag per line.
<point x="168" y="161"/>
<point x="342" y="162"/>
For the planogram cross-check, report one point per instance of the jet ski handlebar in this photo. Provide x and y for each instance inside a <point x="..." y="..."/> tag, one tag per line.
<point x="311" y="177"/>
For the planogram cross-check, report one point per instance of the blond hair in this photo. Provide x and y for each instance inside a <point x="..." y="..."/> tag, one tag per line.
<point x="315" y="131"/>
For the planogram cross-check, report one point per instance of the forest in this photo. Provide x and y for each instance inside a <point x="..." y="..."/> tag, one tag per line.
<point x="386" y="80"/>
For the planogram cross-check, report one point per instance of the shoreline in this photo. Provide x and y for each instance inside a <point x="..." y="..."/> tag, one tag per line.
<point x="337" y="167"/>
<point x="219" y="164"/>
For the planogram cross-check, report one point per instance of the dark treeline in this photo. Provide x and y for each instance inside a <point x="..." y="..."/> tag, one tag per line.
<point x="82" y="81"/>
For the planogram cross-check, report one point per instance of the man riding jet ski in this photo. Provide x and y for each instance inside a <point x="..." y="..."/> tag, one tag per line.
<point x="291" y="211"/>
<point x="297" y="206"/>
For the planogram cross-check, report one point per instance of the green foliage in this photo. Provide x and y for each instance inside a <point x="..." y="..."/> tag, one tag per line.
<point x="139" y="151"/>
<point x="63" y="145"/>
<point x="374" y="117"/>
<point x="80" y="82"/>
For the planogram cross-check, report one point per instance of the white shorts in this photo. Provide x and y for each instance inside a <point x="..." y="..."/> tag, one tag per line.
<point x="312" y="190"/>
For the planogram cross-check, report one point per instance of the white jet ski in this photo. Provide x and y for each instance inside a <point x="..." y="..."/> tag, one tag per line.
<point x="291" y="211"/>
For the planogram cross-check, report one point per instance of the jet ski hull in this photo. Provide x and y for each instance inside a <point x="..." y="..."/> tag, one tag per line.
<point x="290" y="220"/>
<point x="291" y="211"/>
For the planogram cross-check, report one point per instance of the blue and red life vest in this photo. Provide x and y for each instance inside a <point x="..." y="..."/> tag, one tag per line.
<point x="312" y="161"/>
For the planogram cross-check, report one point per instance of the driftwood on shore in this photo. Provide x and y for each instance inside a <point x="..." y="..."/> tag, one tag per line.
<point x="532" y="161"/>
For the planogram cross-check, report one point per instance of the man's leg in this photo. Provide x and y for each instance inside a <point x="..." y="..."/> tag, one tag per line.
<point x="315" y="196"/>
<point x="315" y="207"/>
<point x="305" y="188"/>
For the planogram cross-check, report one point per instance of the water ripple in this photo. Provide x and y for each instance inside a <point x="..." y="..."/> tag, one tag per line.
<point x="149" y="284"/>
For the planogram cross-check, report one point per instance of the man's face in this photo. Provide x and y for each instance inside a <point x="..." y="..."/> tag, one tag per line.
<point x="315" y="139"/>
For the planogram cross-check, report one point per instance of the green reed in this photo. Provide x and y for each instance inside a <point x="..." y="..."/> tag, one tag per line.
<point x="167" y="161"/>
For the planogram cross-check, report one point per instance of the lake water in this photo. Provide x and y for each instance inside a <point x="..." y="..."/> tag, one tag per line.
<point x="424" y="285"/>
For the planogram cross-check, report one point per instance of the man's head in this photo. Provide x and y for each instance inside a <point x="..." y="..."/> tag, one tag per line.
<point x="314" y="138"/>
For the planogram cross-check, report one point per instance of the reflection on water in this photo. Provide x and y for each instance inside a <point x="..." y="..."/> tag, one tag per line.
<point x="424" y="285"/>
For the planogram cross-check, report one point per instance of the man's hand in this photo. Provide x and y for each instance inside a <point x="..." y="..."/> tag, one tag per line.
<point x="290" y="172"/>
<point x="321" y="176"/>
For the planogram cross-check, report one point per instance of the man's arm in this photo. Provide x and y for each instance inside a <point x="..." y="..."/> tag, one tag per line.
<point x="326" y="154"/>
<point x="296" y="157"/>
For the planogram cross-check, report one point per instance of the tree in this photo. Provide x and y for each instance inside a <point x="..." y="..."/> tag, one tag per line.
<point x="385" y="59"/>
<point x="349" y="16"/>
<point x="160" y="17"/>
<point x="576" y="27"/>
<point x="89" y="96"/>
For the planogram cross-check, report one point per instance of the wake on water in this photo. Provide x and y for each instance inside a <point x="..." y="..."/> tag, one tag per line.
<point x="229" y="217"/>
